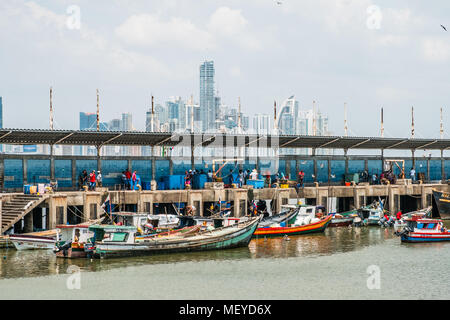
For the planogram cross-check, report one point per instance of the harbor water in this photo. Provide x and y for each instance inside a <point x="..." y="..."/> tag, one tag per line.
<point x="342" y="263"/>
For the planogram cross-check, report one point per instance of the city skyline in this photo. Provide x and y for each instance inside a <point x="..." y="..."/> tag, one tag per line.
<point x="145" y="49"/>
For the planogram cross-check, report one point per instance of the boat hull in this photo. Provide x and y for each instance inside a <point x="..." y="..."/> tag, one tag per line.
<point x="291" y="231"/>
<point x="340" y="222"/>
<point x="234" y="239"/>
<point x="441" y="201"/>
<point x="72" y="253"/>
<point x="414" y="237"/>
<point x="288" y="217"/>
<point x="27" y="242"/>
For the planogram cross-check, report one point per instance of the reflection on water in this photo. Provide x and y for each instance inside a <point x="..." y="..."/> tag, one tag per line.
<point x="332" y="241"/>
<point x="15" y="264"/>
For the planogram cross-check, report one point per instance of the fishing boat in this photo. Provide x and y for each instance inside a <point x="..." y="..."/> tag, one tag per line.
<point x="33" y="241"/>
<point x="441" y="204"/>
<point x="113" y="241"/>
<point x="400" y="224"/>
<point x="341" y="221"/>
<point x="71" y="239"/>
<point x="421" y="229"/>
<point x="287" y="216"/>
<point x="302" y="225"/>
<point x="176" y="232"/>
<point x="372" y="214"/>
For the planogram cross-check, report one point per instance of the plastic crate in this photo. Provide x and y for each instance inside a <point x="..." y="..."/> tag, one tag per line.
<point x="257" y="184"/>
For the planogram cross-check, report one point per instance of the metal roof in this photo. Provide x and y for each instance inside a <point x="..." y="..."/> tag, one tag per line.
<point x="100" y="138"/>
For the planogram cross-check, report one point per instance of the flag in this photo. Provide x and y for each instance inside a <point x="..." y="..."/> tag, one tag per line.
<point x="107" y="205"/>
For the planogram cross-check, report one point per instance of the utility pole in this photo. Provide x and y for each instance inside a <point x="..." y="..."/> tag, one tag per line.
<point x="51" y="108"/>
<point x="345" y="120"/>
<point x="275" y="125"/>
<point x="152" y="128"/>
<point x="442" y="125"/>
<point x="192" y="113"/>
<point x="382" y="123"/>
<point x="98" y="112"/>
<point x="412" y="122"/>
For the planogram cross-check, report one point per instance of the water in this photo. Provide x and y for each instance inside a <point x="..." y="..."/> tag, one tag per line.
<point x="333" y="265"/>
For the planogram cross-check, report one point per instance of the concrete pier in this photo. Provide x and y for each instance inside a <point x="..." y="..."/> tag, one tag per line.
<point x="407" y="198"/>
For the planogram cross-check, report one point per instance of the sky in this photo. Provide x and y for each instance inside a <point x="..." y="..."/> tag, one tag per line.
<point x="368" y="54"/>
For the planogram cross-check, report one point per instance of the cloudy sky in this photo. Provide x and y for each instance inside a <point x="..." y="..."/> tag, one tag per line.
<point x="366" y="53"/>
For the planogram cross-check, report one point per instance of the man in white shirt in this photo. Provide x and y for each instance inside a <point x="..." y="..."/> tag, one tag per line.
<point x="412" y="174"/>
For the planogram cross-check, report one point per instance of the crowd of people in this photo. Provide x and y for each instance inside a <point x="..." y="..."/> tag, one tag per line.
<point x="94" y="179"/>
<point x="89" y="181"/>
<point x="128" y="179"/>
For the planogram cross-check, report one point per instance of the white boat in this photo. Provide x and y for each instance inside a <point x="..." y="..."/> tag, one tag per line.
<point x="32" y="242"/>
<point x="372" y="214"/>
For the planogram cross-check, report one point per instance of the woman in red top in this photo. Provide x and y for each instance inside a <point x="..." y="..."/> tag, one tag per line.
<point x="92" y="180"/>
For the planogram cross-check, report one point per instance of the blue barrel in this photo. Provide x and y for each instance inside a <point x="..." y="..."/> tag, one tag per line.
<point x="26" y="189"/>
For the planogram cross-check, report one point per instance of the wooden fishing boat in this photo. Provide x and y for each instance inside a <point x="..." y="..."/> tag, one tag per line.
<point x="176" y="232"/>
<point x="71" y="240"/>
<point x="279" y="231"/>
<point x="113" y="241"/>
<point x="441" y="204"/>
<point x="35" y="240"/>
<point x="32" y="242"/>
<point x="341" y="221"/>
<point x="287" y="217"/>
<point x="420" y="229"/>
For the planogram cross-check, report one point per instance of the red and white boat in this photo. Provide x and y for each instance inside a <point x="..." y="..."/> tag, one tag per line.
<point x="420" y="229"/>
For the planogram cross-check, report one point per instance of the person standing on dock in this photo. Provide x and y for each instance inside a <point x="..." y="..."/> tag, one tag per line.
<point x="99" y="179"/>
<point x="92" y="180"/>
<point x="412" y="174"/>
<point x="128" y="177"/>
<point x="133" y="180"/>
<point x="301" y="176"/>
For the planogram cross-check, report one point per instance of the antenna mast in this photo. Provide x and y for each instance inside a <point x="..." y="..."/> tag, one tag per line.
<point x="345" y="119"/>
<point x="275" y="125"/>
<point x="51" y="108"/>
<point x="152" y="128"/>
<point x="98" y="112"/>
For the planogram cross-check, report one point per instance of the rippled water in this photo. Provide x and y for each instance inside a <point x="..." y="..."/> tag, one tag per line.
<point x="330" y="265"/>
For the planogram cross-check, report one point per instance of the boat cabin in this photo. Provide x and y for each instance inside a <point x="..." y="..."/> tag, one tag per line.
<point x="424" y="225"/>
<point x="73" y="233"/>
<point x="112" y="234"/>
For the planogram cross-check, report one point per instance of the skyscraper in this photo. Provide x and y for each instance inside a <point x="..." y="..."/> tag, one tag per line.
<point x="207" y="100"/>
<point x="127" y="122"/>
<point x="261" y="123"/>
<point x="88" y="121"/>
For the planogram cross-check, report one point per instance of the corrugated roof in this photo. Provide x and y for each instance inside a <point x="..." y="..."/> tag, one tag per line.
<point x="74" y="137"/>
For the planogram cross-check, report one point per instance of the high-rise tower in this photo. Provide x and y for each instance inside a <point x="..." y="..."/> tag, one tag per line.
<point x="207" y="101"/>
